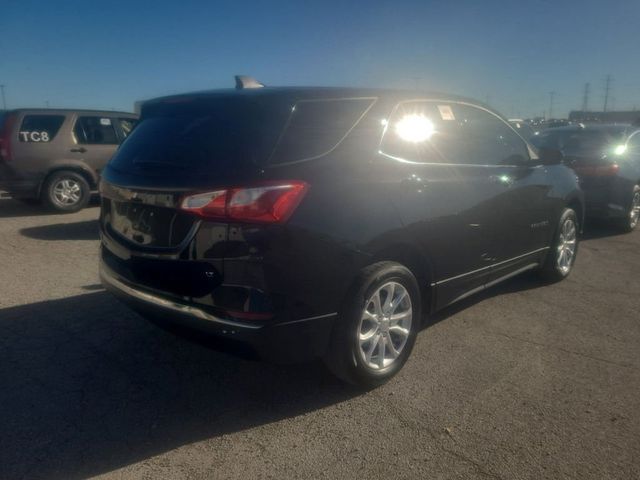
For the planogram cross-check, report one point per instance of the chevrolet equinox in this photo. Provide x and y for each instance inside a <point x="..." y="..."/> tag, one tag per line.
<point x="327" y="222"/>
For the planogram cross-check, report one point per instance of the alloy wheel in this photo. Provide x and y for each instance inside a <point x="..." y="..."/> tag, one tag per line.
<point x="385" y="325"/>
<point x="567" y="246"/>
<point x="67" y="191"/>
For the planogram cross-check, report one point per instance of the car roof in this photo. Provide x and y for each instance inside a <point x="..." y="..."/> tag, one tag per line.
<point x="43" y="111"/>
<point x="307" y="93"/>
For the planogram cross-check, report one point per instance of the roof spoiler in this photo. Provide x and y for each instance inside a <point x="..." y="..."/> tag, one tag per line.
<point x="243" y="81"/>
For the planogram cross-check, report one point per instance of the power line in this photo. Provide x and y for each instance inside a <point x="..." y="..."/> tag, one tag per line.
<point x="551" y="96"/>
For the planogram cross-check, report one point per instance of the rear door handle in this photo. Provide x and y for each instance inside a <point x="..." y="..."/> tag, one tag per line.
<point x="79" y="150"/>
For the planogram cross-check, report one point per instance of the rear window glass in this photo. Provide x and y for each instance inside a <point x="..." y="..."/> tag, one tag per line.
<point x="580" y="142"/>
<point x="95" y="131"/>
<point x="39" y="128"/>
<point x="316" y="127"/>
<point x="202" y="136"/>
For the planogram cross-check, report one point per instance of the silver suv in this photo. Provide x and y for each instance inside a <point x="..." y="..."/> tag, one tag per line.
<point x="55" y="156"/>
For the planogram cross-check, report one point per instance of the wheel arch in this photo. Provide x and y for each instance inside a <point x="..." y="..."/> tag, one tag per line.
<point x="89" y="176"/>
<point x="576" y="202"/>
<point x="417" y="262"/>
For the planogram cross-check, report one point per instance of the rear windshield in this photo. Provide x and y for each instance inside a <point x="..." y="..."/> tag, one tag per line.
<point x="232" y="133"/>
<point x="199" y="136"/>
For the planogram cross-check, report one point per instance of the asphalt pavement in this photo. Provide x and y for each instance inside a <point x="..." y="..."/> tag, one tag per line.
<point x="524" y="381"/>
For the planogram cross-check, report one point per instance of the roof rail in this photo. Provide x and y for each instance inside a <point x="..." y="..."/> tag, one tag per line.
<point x="243" y="81"/>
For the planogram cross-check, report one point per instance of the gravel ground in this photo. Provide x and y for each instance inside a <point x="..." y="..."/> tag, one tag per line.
<point x="524" y="381"/>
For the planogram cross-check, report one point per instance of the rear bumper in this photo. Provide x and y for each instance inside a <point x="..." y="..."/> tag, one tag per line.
<point x="17" y="184"/>
<point x="21" y="188"/>
<point x="286" y="342"/>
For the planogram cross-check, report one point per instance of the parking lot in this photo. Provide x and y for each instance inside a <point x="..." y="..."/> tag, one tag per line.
<point x="525" y="381"/>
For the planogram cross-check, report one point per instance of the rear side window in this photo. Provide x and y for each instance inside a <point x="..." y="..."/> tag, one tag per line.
<point x="95" y="131"/>
<point x="127" y="125"/>
<point x="316" y="127"/>
<point x="39" y="128"/>
<point x="440" y="132"/>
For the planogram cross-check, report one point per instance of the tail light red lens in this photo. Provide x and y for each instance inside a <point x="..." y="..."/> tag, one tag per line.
<point x="5" y="137"/>
<point x="266" y="203"/>
<point x="598" y="170"/>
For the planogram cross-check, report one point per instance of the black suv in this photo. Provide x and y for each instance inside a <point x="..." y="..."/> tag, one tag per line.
<point x="324" y="222"/>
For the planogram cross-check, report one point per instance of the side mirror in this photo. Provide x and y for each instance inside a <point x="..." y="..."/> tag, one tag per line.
<point x="550" y="156"/>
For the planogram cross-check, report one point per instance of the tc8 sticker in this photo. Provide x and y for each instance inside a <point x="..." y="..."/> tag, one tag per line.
<point x="34" y="136"/>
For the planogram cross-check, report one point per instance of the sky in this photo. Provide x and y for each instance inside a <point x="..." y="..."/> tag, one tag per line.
<point x="509" y="54"/>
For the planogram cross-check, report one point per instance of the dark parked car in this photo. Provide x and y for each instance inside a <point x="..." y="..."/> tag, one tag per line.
<point x="56" y="155"/>
<point x="607" y="161"/>
<point x="323" y="222"/>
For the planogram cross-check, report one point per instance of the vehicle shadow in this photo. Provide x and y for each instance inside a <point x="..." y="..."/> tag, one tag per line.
<point x="14" y="208"/>
<point x="10" y="208"/>
<point x="88" y="387"/>
<point x="595" y="229"/>
<point x="87" y="230"/>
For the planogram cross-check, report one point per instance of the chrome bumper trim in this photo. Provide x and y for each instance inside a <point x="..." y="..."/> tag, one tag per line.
<point x="109" y="280"/>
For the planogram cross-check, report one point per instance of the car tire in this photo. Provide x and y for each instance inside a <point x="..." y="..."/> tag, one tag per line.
<point x="373" y="337"/>
<point x="563" y="251"/>
<point x="629" y="223"/>
<point x="66" y="192"/>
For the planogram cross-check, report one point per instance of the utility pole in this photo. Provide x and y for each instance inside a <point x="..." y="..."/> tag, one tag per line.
<point x="607" y="90"/>
<point x="4" y="100"/>
<point x="551" y="95"/>
<point x="585" y="97"/>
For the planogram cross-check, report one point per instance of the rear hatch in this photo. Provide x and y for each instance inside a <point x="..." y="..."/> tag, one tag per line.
<point x="202" y="143"/>
<point x="594" y="155"/>
<point x="193" y="167"/>
<point x="184" y="144"/>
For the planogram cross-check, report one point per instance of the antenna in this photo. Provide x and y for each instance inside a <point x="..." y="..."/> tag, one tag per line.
<point x="243" y="81"/>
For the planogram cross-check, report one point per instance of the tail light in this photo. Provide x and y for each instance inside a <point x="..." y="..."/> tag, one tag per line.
<point x="5" y="137"/>
<point x="272" y="202"/>
<point x="598" y="170"/>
